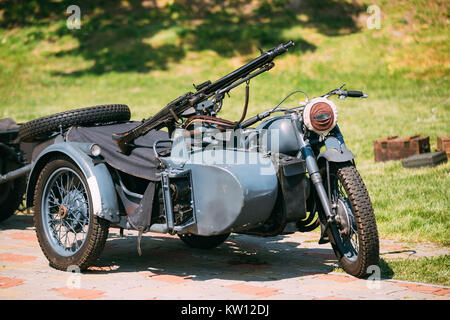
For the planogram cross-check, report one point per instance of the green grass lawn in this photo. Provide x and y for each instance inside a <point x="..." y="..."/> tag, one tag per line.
<point x="434" y="270"/>
<point x="128" y="52"/>
<point x="431" y="270"/>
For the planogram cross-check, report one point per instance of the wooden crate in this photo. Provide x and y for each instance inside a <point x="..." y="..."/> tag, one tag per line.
<point x="443" y="144"/>
<point x="396" y="148"/>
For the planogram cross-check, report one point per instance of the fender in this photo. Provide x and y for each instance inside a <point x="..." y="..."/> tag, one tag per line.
<point x="336" y="151"/>
<point x="101" y="185"/>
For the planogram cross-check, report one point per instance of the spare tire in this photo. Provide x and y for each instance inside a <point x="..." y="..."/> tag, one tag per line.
<point x="41" y="128"/>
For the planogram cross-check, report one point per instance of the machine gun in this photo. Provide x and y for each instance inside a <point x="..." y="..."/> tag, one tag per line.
<point x="174" y="110"/>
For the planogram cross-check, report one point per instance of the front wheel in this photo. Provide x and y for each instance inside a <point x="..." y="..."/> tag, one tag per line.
<point x="354" y="236"/>
<point x="67" y="230"/>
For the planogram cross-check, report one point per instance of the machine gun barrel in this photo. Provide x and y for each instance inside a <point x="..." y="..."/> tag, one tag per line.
<point x="174" y="109"/>
<point x="243" y="71"/>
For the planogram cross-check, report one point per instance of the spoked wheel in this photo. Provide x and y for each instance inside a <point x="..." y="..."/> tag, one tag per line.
<point x="203" y="242"/>
<point x="68" y="232"/>
<point x="354" y="236"/>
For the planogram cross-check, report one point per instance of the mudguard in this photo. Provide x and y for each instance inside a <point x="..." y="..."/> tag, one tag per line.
<point x="336" y="151"/>
<point x="101" y="186"/>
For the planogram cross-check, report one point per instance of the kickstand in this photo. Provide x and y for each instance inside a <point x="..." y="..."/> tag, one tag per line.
<point x="141" y="231"/>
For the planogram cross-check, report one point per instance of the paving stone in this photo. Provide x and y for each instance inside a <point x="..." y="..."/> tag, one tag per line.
<point x="288" y="267"/>
<point x="79" y="293"/>
<point x="6" y="283"/>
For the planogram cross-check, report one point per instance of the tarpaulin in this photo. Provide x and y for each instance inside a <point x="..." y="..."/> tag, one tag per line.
<point x="140" y="163"/>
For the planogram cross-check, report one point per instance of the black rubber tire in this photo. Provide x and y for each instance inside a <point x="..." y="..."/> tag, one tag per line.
<point x="368" y="242"/>
<point x="39" y="129"/>
<point x="202" y="242"/>
<point x="97" y="232"/>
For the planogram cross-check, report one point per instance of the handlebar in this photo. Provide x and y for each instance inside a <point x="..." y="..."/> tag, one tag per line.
<point x="346" y="93"/>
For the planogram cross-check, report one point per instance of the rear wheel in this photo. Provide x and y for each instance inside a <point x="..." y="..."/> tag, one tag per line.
<point x="203" y="242"/>
<point x="68" y="232"/>
<point x="354" y="236"/>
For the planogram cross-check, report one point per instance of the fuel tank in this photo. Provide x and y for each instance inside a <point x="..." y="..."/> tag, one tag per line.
<point x="277" y="135"/>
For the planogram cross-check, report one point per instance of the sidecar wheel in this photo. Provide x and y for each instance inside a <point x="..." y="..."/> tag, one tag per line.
<point x="354" y="236"/>
<point x="202" y="242"/>
<point x="67" y="230"/>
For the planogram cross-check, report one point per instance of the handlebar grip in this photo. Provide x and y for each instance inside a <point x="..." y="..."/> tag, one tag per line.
<point x="355" y="94"/>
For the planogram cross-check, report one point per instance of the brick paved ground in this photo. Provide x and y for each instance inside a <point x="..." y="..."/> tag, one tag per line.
<point x="244" y="267"/>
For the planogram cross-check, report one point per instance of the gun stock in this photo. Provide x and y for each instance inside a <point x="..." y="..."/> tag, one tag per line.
<point x="164" y="117"/>
<point x="123" y="141"/>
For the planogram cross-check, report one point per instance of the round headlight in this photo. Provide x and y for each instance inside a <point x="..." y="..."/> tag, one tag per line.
<point x="95" y="150"/>
<point x="320" y="115"/>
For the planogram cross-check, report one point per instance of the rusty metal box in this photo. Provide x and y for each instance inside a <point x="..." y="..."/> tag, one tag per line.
<point x="443" y="144"/>
<point x="396" y="148"/>
<point x="430" y="159"/>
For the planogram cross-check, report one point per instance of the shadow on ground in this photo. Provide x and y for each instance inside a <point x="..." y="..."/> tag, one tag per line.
<point x="241" y="257"/>
<point x="139" y="36"/>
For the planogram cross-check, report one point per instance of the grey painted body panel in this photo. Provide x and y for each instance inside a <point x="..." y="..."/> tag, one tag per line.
<point x="234" y="190"/>
<point x="101" y="186"/>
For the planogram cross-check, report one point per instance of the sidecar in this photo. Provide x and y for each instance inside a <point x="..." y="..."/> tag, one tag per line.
<point x="81" y="184"/>
<point x="20" y="145"/>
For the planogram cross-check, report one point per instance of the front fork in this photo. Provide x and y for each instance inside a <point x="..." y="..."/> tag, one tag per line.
<point x="313" y="169"/>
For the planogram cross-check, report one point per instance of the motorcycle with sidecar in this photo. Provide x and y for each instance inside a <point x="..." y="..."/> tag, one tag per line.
<point x="203" y="178"/>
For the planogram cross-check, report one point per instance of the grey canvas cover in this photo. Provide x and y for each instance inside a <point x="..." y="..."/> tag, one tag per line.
<point x="140" y="163"/>
<point x="8" y="124"/>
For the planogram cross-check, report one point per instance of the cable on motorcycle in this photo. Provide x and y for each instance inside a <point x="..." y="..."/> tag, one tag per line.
<point x="290" y="94"/>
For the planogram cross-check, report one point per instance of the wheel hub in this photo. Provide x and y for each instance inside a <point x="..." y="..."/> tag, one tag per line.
<point x="62" y="212"/>
<point x="344" y="217"/>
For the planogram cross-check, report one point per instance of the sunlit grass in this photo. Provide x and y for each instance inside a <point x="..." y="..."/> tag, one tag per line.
<point x="430" y="270"/>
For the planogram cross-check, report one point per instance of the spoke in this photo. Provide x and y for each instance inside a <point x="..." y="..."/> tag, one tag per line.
<point x="66" y="224"/>
<point x="53" y="197"/>
<point x="60" y="191"/>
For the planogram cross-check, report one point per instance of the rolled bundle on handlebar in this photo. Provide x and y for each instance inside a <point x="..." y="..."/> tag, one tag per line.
<point x="169" y="114"/>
